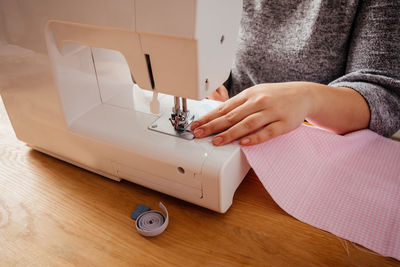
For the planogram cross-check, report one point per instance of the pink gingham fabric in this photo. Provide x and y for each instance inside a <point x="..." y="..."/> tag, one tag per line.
<point x="347" y="185"/>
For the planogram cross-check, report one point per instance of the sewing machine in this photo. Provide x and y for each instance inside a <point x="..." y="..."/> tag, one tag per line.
<point x="127" y="77"/>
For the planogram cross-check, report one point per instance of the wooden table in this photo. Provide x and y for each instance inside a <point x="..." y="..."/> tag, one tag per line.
<point x="55" y="214"/>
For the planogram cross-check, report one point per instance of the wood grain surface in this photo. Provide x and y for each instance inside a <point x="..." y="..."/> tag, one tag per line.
<point x="56" y="214"/>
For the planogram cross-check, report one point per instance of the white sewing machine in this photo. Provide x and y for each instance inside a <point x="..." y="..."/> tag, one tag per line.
<point x="95" y="114"/>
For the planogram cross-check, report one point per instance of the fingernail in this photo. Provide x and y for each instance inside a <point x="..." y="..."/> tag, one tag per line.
<point x="217" y="140"/>
<point x="245" y="141"/>
<point x="198" y="132"/>
<point x="195" y="125"/>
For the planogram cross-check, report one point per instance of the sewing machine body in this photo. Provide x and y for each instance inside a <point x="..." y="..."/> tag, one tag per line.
<point x="85" y="108"/>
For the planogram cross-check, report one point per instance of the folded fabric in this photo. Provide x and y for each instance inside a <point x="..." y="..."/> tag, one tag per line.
<point x="347" y="185"/>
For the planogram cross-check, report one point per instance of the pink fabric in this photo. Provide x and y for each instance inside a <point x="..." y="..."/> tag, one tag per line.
<point x="347" y="185"/>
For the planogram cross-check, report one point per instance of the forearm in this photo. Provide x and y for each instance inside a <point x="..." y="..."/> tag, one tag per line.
<point x="338" y="109"/>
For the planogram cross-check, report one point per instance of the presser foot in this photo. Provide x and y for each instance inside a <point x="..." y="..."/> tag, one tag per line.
<point x="178" y="123"/>
<point x="181" y="122"/>
<point x="164" y="125"/>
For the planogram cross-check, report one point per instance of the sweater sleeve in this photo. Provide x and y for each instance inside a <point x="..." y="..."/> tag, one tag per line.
<point x="373" y="63"/>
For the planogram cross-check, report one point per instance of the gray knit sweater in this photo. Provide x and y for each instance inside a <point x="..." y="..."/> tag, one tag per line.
<point x="350" y="43"/>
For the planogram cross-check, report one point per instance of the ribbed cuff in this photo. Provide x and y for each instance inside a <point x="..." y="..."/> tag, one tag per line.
<point x="384" y="107"/>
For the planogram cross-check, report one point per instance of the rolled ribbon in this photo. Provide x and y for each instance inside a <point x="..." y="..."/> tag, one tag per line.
<point x="153" y="222"/>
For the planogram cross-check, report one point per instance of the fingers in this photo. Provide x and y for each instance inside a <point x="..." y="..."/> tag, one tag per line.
<point x="270" y="131"/>
<point x="246" y="126"/>
<point x="255" y="115"/>
<point x="219" y="111"/>
<point x="231" y="118"/>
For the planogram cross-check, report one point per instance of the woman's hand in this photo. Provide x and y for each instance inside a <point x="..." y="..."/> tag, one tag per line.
<point x="267" y="110"/>
<point x="257" y="114"/>
<point x="221" y="94"/>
